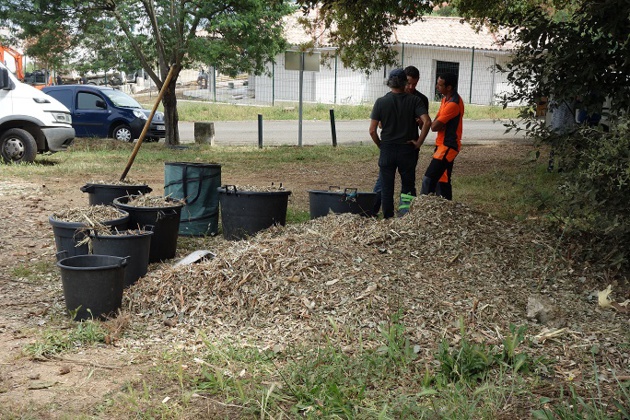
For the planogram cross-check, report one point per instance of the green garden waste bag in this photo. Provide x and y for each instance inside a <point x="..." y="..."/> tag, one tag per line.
<point x="197" y="184"/>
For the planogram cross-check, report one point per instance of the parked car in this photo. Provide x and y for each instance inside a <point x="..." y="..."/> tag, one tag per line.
<point x="30" y="121"/>
<point x="99" y="111"/>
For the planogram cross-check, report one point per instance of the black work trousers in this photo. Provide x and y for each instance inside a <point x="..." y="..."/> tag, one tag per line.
<point x="401" y="157"/>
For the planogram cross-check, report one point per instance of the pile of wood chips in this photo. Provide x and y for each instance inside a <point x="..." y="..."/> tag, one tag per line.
<point x="145" y="200"/>
<point x="126" y="181"/>
<point x="344" y="277"/>
<point x="89" y="215"/>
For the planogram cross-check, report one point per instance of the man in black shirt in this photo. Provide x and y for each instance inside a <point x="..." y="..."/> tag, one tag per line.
<point x="413" y="76"/>
<point x="398" y="113"/>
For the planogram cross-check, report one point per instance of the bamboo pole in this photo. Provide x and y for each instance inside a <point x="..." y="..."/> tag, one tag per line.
<point x="148" y="123"/>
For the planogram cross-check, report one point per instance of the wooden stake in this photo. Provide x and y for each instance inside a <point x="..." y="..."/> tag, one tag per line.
<point x="148" y="123"/>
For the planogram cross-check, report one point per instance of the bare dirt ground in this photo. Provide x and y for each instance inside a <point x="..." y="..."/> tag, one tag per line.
<point x="84" y="380"/>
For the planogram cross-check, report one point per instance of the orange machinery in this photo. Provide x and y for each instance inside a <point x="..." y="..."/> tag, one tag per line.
<point x="17" y="57"/>
<point x="19" y="67"/>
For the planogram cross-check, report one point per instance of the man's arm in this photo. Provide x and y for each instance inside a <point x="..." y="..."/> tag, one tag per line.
<point x="374" y="132"/>
<point x="424" y="130"/>
<point x="446" y="113"/>
<point x="437" y="125"/>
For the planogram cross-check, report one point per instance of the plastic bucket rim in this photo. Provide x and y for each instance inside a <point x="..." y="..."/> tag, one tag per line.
<point x="339" y="192"/>
<point x="198" y="164"/>
<point x="53" y="221"/>
<point x="145" y="208"/>
<point x="121" y="262"/>
<point x="121" y="186"/>
<point x="223" y="191"/>
<point x="141" y="234"/>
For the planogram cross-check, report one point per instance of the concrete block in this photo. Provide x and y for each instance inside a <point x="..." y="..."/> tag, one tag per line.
<point x="204" y="132"/>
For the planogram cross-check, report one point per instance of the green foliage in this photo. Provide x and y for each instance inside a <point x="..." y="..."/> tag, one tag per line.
<point x="57" y="341"/>
<point x="572" y="405"/>
<point x="385" y="382"/>
<point x="596" y="190"/>
<point x="446" y="10"/>
<point x="567" y="51"/>
<point x="396" y="345"/>
<point x="468" y="362"/>
<point x="509" y="356"/>
<point x="235" y="37"/>
<point x="471" y="362"/>
<point x="363" y="30"/>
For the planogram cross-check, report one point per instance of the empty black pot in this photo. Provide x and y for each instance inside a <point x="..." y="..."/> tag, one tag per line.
<point x="92" y="285"/>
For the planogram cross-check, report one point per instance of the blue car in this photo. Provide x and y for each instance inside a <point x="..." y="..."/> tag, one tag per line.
<point x="99" y="111"/>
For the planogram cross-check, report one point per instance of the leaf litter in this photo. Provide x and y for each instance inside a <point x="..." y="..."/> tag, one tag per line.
<point x="340" y="278"/>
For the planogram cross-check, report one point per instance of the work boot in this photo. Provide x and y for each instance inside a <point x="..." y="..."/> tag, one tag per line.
<point x="405" y="203"/>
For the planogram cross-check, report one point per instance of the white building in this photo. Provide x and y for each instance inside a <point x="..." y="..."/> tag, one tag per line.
<point x="434" y="45"/>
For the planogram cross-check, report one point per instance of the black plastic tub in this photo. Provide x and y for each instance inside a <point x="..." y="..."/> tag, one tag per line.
<point x="322" y="202"/>
<point x="134" y="244"/>
<point x="106" y="193"/>
<point x="165" y="222"/>
<point x="92" y="285"/>
<point x="245" y="213"/>
<point x="69" y="234"/>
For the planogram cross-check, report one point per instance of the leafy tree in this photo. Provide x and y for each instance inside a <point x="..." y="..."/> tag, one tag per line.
<point x="362" y="30"/>
<point x="235" y="36"/>
<point x="568" y="51"/>
<point x="445" y="9"/>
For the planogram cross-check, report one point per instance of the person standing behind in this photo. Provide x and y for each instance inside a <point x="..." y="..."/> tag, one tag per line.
<point x="396" y="113"/>
<point x="413" y="76"/>
<point x="448" y="125"/>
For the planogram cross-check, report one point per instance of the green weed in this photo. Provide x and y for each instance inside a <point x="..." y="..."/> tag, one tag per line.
<point x="31" y="270"/>
<point x="53" y="342"/>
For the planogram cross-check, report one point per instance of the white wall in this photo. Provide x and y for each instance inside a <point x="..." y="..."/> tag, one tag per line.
<point x="335" y="83"/>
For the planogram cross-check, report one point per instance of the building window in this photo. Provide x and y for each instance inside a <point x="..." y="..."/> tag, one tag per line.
<point x="445" y="67"/>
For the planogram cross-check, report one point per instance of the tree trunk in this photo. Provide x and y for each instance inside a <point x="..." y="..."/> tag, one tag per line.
<point x="171" y="117"/>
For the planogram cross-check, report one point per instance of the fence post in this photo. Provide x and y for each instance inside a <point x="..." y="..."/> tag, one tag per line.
<point x="472" y="68"/>
<point x="260" y="131"/>
<point x="273" y="84"/>
<point x="332" y="127"/>
<point x="335" y="94"/>
<point x="214" y="83"/>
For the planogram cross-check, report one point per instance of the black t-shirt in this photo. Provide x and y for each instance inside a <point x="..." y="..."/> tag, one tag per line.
<point x="423" y="97"/>
<point x="397" y="113"/>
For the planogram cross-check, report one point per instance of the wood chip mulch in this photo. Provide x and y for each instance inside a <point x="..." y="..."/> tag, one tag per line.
<point x="145" y="200"/>
<point x="89" y="215"/>
<point x="343" y="276"/>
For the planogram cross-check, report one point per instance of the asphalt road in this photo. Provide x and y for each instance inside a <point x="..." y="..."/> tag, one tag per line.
<point x="275" y="133"/>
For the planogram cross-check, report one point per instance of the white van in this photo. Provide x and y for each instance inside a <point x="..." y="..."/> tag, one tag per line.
<point x="30" y="121"/>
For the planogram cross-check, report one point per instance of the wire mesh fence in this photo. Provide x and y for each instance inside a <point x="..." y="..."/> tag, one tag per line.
<point x="333" y="83"/>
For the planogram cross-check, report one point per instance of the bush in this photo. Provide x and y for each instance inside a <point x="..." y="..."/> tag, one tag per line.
<point x="595" y="193"/>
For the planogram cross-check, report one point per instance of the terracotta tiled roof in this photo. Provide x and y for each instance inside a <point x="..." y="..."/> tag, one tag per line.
<point x="449" y="32"/>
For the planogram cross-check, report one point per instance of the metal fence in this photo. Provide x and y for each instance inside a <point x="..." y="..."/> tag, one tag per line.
<point x="334" y="83"/>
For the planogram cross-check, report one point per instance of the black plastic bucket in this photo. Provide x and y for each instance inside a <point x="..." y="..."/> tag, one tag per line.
<point x="245" y="213"/>
<point x="106" y="193"/>
<point x="92" y="285"/>
<point x="321" y="202"/>
<point x="165" y="222"/>
<point x="69" y="234"/>
<point x="197" y="184"/>
<point x="133" y="244"/>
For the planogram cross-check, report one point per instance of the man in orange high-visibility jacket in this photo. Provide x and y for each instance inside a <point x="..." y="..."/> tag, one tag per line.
<point x="448" y="143"/>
